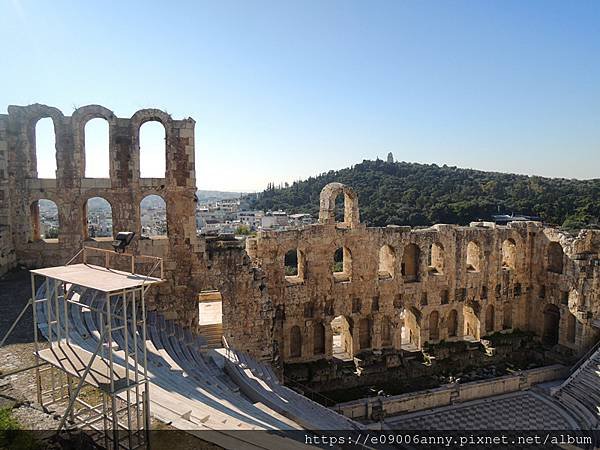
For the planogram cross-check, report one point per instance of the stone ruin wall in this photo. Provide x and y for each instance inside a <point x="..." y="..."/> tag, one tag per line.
<point x="519" y="291"/>
<point x="260" y="304"/>
<point x="192" y="264"/>
<point x="7" y="249"/>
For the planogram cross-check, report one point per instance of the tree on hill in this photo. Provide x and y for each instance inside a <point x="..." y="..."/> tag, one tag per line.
<point x="424" y="194"/>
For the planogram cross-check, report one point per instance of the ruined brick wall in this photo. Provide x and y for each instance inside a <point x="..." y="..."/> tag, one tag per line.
<point x="191" y="265"/>
<point x="7" y="250"/>
<point x="406" y="287"/>
<point x="398" y="288"/>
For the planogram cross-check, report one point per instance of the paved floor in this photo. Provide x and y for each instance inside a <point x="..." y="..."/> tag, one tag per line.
<point x="524" y="410"/>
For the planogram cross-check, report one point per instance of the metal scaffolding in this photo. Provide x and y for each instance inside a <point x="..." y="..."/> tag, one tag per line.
<point x="93" y="367"/>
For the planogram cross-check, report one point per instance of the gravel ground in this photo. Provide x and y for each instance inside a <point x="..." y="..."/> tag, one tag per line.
<point x="19" y="391"/>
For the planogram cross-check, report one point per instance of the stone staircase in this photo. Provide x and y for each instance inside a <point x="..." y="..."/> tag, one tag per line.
<point x="580" y="393"/>
<point x="213" y="334"/>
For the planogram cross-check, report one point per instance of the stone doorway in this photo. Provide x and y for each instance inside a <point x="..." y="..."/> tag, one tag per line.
<point x="342" y="338"/>
<point x="551" y="325"/>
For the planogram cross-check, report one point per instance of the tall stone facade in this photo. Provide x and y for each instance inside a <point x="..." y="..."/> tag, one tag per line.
<point x="399" y="288"/>
<point x="192" y="264"/>
<point x="375" y="289"/>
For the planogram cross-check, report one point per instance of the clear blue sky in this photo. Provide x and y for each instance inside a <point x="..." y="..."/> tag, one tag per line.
<point x="283" y="90"/>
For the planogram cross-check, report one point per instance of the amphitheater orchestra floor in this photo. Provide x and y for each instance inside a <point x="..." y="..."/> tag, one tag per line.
<point x="524" y="410"/>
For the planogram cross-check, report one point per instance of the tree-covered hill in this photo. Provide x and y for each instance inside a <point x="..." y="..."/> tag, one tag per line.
<point x="423" y="194"/>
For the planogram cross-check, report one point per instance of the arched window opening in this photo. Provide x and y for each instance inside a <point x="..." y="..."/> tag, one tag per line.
<point x="364" y="333"/>
<point x="343" y="209"/>
<point x="509" y="255"/>
<point x="473" y="257"/>
<point x="555" y="257"/>
<point x="551" y="325"/>
<point x="44" y="221"/>
<point x="571" y="328"/>
<point x="340" y="208"/>
<point x="98" y="218"/>
<point x="436" y="259"/>
<point x="489" y="319"/>
<point x="295" y="342"/>
<point x="342" y="264"/>
<point x="452" y="323"/>
<point x="434" y="332"/>
<point x="96" y="142"/>
<point x="410" y="263"/>
<point x="507" y="316"/>
<point x="153" y="152"/>
<point x="386" y="332"/>
<point x="411" y="331"/>
<point x="45" y="148"/>
<point x="341" y="328"/>
<point x="293" y="262"/>
<point x="319" y="339"/>
<point x="153" y="216"/>
<point x="387" y="261"/>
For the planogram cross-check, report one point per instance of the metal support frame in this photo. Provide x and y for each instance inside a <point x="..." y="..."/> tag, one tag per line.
<point x="121" y="417"/>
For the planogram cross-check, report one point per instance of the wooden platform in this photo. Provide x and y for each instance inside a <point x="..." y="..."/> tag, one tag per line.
<point x="73" y="360"/>
<point x="97" y="277"/>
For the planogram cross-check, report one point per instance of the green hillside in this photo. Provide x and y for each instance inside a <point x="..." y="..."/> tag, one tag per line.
<point x="423" y="194"/>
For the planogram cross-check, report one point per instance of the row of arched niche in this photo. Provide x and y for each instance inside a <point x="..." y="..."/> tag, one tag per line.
<point x="97" y="218"/>
<point x="341" y="264"/>
<point x="96" y="148"/>
<point x="343" y="329"/>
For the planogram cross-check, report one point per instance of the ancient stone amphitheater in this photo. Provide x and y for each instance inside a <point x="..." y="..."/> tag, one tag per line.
<point x="362" y="306"/>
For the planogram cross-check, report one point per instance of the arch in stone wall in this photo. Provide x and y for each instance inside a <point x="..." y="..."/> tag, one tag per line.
<point x="96" y="223"/>
<point x="152" y="149"/>
<point x="342" y="329"/>
<point x="45" y="220"/>
<point x="452" y="323"/>
<point x="555" y="257"/>
<point x="96" y="149"/>
<point x="79" y="121"/>
<point x="509" y="254"/>
<point x="571" y="327"/>
<point x="30" y="116"/>
<point x="151" y="115"/>
<point x="294" y="265"/>
<point x="342" y="264"/>
<point x="411" y="261"/>
<point x="327" y="201"/>
<point x="436" y="258"/>
<point x="434" y="331"/>
<point x="473" y="257"/>
<point x="551" y="328"/>
<point x="411" y="331"/>
<point x="364" y="333"/>
<point x="46" y="148"/>
<point x="152" y="223"/>
<point x="387" y="262"/>
<point x="295" y="342"/>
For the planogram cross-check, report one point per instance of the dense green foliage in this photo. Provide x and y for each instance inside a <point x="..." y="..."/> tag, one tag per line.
<point x="421" y="194"/>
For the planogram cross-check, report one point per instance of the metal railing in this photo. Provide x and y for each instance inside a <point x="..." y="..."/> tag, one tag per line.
<point x="86" y="252"/>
